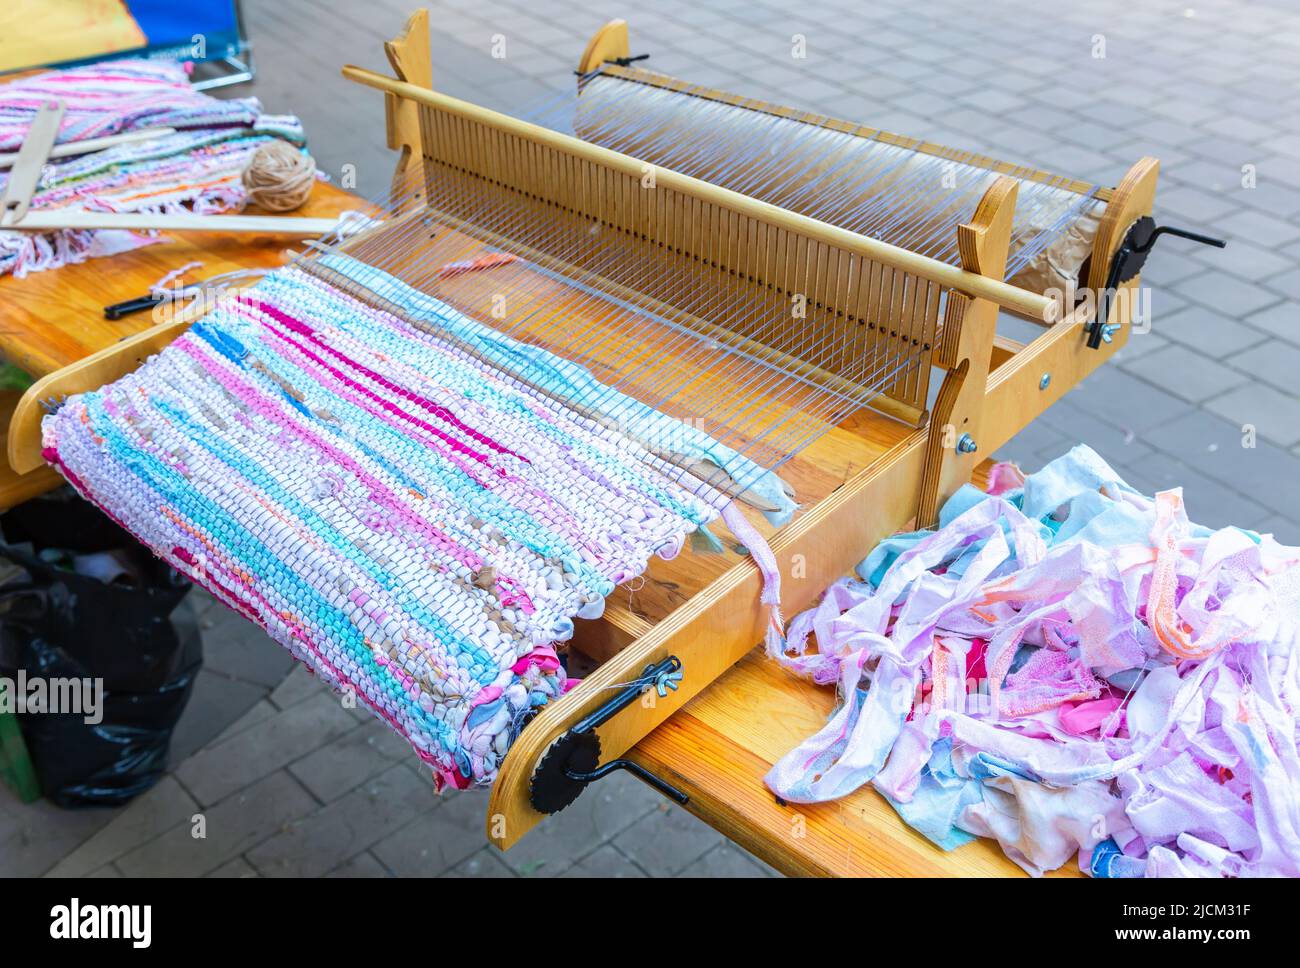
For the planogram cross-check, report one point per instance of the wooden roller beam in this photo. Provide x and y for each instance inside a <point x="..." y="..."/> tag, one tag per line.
<point x="1010" y="297"/>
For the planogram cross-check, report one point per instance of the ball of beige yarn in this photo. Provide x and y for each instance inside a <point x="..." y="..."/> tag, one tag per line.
<point x="279" y="177"/>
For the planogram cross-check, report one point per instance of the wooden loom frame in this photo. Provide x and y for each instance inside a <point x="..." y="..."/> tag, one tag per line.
<point x="993" y="387"/>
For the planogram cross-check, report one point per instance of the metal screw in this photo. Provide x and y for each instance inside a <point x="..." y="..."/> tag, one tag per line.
<point x="1108" y="331"/>
<point x="1045" y="382"/>
<point x="966" y="444"/>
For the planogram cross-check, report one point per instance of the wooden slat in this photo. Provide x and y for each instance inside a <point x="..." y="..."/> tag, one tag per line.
<point x="50" y="220"/>
<point x="1004" y="348"/>
<point x="408" y="53"/>
<point x="983" y="243"/>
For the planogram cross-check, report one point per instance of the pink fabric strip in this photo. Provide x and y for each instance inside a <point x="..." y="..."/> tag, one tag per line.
<point x="759" y="550"/>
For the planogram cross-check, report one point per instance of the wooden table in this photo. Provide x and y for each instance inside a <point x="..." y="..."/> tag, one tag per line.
<point x="53" y="318"/>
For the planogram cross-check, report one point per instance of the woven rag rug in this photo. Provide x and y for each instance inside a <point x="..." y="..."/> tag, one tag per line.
<point x="197" y="169"/>
<point x="395" y="499"/>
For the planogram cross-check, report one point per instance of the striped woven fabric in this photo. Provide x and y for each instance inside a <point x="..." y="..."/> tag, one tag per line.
<point x="416" y="524"/>
<point x="116" y="96"/>
<point x="196" y="169"/>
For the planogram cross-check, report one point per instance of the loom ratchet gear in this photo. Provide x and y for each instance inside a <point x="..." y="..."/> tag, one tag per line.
<point x="571" y="762"/>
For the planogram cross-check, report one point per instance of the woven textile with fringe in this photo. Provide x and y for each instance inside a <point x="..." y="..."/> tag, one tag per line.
<point x="197" y="169"/>
<point x="416" y="524"/>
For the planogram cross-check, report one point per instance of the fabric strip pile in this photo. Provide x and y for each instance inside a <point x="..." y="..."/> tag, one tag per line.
<point x="197" y="169"/>
<point x="1073" y="669"/>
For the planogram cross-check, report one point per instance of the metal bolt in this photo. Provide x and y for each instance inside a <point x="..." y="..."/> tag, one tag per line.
<point x="1108" y="332"/>
<point x="1045" y="382"/>
<point x="667" y="680"/>
<point x="966" y="444"/>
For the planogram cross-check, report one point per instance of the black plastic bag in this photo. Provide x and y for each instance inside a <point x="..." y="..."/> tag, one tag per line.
<point x="62" y="624"/>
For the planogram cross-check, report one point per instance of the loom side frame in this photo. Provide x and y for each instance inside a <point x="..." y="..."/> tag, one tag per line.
<point x="609" y="43"/>
<point x="412" y="60"/>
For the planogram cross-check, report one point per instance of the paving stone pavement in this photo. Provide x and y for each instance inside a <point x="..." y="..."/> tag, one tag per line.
<point x="1205" y="397"/>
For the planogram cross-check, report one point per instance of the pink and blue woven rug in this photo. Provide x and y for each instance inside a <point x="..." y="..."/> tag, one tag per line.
<point x="418" y="525"/>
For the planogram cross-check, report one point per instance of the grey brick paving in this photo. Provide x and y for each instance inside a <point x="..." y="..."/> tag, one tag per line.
<point x="605" y="861"/>
<point x="150" y="815"/>
<point x="1211" y="334"/>
<point x="36" y="836"/>
<point x="236" y="868"/>
<point x="333" y="769"/>
<point x="727" y="860"/>
<point x="486" y="863"/>
<point x="291" y="783"/>
<point x="213" y="701"/>
<point x="362" y="865"/>
<point x="1274" y="413"/>
<point x="1273" y="361"/>
<point x="241" y="821"/>
<point x="323" y="839"/>
<point x="1186" y="373"/>
<point x="219" y="770"/>
<point x="1139" y="344"/>
<point x="665" y="839"/>
<point x="437" y="840"/>
<point x="235" y="651"/>
<point x="1281" y="320"/>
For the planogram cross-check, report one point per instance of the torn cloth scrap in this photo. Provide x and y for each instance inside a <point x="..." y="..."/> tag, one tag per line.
<point x="1070" y="668"/>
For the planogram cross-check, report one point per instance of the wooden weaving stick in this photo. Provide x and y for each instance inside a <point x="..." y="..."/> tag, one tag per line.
<point x="53" y="219"/>
<point x="92" y="145"/>
<point x="30" y="160"/>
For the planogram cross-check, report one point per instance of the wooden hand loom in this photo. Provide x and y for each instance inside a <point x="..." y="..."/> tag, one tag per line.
<point x="895" y="453"/>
